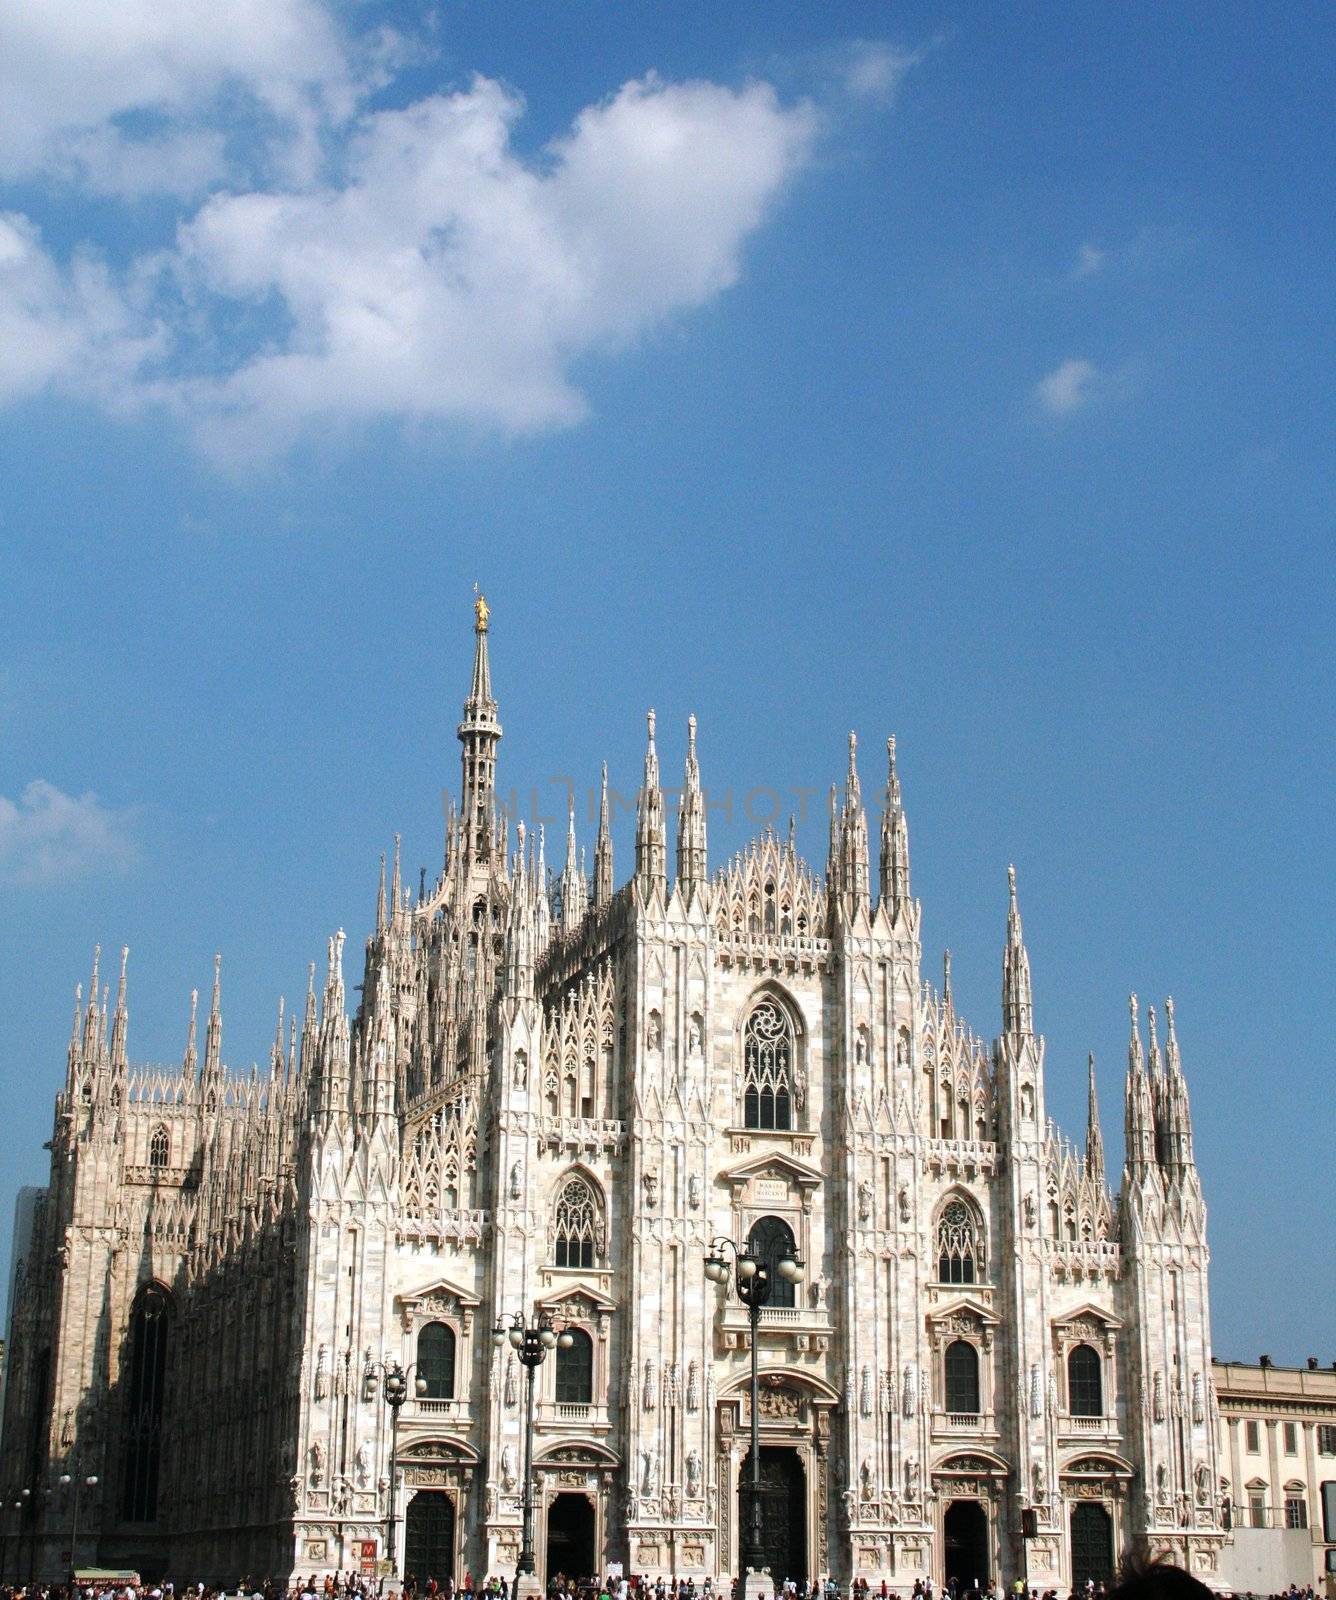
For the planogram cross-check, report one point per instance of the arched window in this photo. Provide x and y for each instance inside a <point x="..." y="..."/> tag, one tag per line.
<point x="771" y="1240"/>
<point x="1085" y="1382"/>
<point x="959" y="1245"/>
<point x="146" y="1372"/>
<point x="436" y="1361"/>
<point x="768" y="1061"/>
<point x="575" y="1225"/>
<point x="575" y="1370"/>
<point x="159" y="1148"/>
<point x="962" y="1379"/>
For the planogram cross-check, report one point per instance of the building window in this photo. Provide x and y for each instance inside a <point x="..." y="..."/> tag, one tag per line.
<point x="575" y="1370"/>
<point x="1252" y="1438"/>
<point x="962" y="1379"/>
<point x="1257" y="1508"/>
<point x="959" y="1252"/>
<point x="1085" y="1382"/>
<point x="1296" y="1507"/>
<point x="771" y="1240"/>
<point x="159" y="1148"/>
<point x="1291" y="1439"/>
<point x="1326" y="1440"/>
<point x="146" y="1372"/>
<point x="768" y="1050"/>
<point x="436" y="1361"/>
<point x="576" y="1224"/>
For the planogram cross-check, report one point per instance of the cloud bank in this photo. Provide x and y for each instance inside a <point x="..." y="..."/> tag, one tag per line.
<point x="328" y="262"/>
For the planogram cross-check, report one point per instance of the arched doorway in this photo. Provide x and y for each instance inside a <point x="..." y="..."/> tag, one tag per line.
<point x="965" y="1541"/>
<point x="783" y="1511"/>
<point x="570" y="1537"/>
<point x="1092" y="1544"/>
<point x="429" y="1537"/>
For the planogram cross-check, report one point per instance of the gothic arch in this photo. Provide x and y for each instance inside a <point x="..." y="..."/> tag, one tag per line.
<point x="579" y="1220"/>
<point x="771" y="1052"/>
<point x="960" y="1241"/>
<point x="148" y="1336"/>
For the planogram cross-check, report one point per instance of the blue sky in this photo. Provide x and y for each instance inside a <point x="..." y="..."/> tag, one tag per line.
<point x="928" y="369"/>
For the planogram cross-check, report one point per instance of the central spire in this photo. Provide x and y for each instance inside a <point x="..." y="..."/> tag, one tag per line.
<point x="478" y="733"/>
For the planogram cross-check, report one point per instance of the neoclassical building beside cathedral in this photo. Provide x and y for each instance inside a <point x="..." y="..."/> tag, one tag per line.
<point x="551" y="1095"/>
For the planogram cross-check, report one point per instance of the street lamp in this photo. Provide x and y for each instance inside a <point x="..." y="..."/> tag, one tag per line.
<point x="531" y="1343"/>
<point x="89" y="1482"/>
<point x="753" y="1283"/>
<point x="396" y="1392"/>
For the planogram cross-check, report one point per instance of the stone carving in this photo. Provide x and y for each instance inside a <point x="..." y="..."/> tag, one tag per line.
<point x="512" y="1384"/>
<point x="516" y="1187"/>
<point x="508" y="1475"/>
<point x="902" y="1201"/>
<point x="520" y="1071"/>
<point x="909" y="1394"/>
<point x="1157" y="1397"/>
<point x="911" y="1479"/>
<point x="693" y="1387"/>
<point x="650" y="1182"/>
<point x="1029" y="1211"/>
<point x="362" y="1465"/>
<point x="1201" y="1476"/>
<point x="317" y="1459"/>
<point x="648" y="1391"/>
<point x="671" y="1385"/>
<point x="321" y="1375"/>
<point x="1036" y="1391"/>
<point x="653" y="1032"/>
<point x="777" y="1400"/>
<point x="694" y="1195"/>
<point x="1162" y="1484"/>
<point x="865" y="1486"/>
<point x="864" y="1201"/>
<point x="1198" y="1403"/>
<point x="694" y="1036"/>
<point x="1040" y="1483"/>
<point x="489" y="1502"/>
<point x="649" y="1468"/>
<point x="693" y="1472"/>
<point x="865" y="1392"/>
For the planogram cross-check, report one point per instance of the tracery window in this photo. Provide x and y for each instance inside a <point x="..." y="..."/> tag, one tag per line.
<point x="436" y="1360"/>
<point x="159" y="1148"/>
<point x="575" y="1228"/>
<point x="768" y="1051"/>
<point x="961" y="1371"/>
<point x="1085" y="1382"/>
<point x="575" y="1370"/>
<point x="146" y="1372"/>
<point x="959" y="1245"/>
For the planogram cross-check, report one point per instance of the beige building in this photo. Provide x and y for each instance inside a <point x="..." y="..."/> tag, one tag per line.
<point x="1277" y="1451"/>
<point x="551" y="1095"/>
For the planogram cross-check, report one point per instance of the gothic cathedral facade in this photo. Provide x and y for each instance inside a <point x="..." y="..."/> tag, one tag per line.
<point x="552" y="1095"/>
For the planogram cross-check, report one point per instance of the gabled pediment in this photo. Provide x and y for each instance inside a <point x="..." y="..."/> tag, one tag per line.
<point x="440" y="1292"/>
<point x="966" y="1309"/>
<point x="1088" y="1313"/>
<point x="773" y="1163"/>
<point x="575" y="1299"/>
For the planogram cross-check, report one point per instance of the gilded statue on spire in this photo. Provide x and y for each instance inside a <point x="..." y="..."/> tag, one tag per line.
<point x="481" y="611"/>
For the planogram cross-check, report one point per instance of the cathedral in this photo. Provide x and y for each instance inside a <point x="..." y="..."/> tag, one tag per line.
<point x="553" y="1093"/>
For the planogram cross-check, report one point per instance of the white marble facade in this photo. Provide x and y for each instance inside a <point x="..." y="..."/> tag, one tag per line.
<point x="548" y="1098"/>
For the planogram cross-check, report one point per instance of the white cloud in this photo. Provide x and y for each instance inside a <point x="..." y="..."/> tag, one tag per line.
<point x="1071" y="385"/>
<point x="874" y="70"/>
<point x="335" y="264"/>
<point x="449" y="278"/>
<point x="70" y="68"/>
<point x="47" y="836"/>
<point x="1088" y="262"/>
<point x="66" y="325"/>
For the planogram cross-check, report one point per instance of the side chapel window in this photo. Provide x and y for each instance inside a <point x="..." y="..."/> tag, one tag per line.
<point x="159" y="1149"/>
<point x="768" y="1051"/>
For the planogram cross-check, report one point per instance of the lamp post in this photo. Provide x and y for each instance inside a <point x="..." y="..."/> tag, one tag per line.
<point x="753" y="1282"/>
<point x="79" y="1484"/>
<point x="395" y="1380"/>
<point x="531" y="1343"/>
